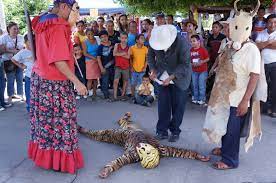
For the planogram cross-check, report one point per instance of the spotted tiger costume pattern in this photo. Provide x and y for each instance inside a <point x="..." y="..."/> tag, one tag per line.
<point x="138" y="146"/>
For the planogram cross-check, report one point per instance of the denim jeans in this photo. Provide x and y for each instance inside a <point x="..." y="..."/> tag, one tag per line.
<point x="143" y="99"/>
<point x="199" y="85"/>
<point x="11" y="77"/>
<point x="136" y="78"/>
<point x="171" y="107"/>
<point x="105" y="83"/>
<point x="2" y="85"/>
<point x="28" y="92"/>
<point x="230" y="142"/>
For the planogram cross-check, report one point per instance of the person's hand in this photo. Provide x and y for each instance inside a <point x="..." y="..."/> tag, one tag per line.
<point x="153" y="75"/>
<point x="199" y="63"/>
<point x="270" y="41"/>
<point x="195" y="64"/>
<point x="14" y="51"/>
<point x="2" y="49"/>
<point x="242" y="108"/>
<point x="81" y="89"/>
<point x="212" y="71"/>
<point x="147" y="91"/>
<point x="168" y="80"/>
<point x="103" y="70"/>
<point x="23" y="66"/>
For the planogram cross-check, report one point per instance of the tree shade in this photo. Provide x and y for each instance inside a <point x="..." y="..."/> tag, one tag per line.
<point x="14" y="10"/>
<point x="146" y="7"/>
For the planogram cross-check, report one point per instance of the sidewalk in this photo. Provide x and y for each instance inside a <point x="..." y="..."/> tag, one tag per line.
<point x="256" y="166"/>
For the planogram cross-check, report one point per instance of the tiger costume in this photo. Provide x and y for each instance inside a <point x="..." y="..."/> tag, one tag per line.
<point x="138" y="146"/>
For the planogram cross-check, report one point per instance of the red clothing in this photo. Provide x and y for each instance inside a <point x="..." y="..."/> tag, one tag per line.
<point x="214" y="45"/>
<point x="53" y="44"/>
<point x="121" y="62"/>
<point x="199" y="54"/>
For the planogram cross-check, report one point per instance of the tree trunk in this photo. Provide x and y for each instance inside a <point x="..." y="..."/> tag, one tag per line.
<point x="2" y="16"/>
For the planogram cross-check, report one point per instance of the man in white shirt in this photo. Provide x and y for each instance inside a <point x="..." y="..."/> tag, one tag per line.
<point x="266" y="42"/>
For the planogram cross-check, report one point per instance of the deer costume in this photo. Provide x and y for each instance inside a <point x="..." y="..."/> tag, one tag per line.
<point x="239" y="60"/>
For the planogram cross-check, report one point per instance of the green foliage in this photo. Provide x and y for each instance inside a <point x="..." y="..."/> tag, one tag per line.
<point x="146" y="7"/>
<point x="14" y="11"/>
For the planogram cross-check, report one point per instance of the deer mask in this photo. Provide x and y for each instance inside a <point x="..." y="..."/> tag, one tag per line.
<point x="240" y="26"/>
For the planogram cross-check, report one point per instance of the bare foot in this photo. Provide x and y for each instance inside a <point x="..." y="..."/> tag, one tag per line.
<point x="221" y="166"/>
<point x="81" y="129"/>
<point x="203" y="158"/>
<point x="105" y="172"/>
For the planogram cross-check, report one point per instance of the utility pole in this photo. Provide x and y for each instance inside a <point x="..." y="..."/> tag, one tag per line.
<point x="2" y="16"/>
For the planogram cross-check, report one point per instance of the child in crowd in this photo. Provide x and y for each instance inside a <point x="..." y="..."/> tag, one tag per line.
<point x="213" y="44"/>
<point x="199" y="59"/>
<point x="145" y="92"/>
<point x="132" y="33"/>
<point x="105" y="61"/>
<point x="214" y="41"/>
<point x="101" y="21"/>
<point x="24" y="60"/>
<point x="81" y="71"/>
<point x="79" y="35"/>
<point x="138" y="62"/>
<point x="122" y="54"/>
<point x="90" y="51"/>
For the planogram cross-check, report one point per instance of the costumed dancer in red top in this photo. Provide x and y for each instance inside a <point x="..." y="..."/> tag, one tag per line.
<point x="54" y="142"/>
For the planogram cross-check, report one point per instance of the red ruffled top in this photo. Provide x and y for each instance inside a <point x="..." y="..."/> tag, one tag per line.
<point x="53" y="44"/>
<point x="56" y="160"/>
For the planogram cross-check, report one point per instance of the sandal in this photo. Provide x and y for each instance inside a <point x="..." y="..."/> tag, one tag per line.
<point x="221" y="166"/>
<point x="113" y="100"/>
<point x="123" y="98"/>
<point x="202" y="158"/>
<point x="216" y="151"/>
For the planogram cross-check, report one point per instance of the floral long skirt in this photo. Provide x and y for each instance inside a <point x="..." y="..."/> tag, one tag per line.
<point x="54" y="142"/>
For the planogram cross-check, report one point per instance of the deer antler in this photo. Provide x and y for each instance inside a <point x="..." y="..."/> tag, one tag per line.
<point x="235" y="8"/>
<point x="254" y="12"/>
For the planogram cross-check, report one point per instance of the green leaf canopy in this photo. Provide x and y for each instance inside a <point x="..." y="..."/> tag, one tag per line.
<point x="171" y="6"/>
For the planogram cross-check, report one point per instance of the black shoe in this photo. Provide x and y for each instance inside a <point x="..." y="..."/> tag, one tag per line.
<point x="161" y="137"/>
<point x="174" y="138"/>
<point x="106" y="97"/>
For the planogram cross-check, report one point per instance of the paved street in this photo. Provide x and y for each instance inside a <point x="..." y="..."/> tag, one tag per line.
<point x="259" y="165"/>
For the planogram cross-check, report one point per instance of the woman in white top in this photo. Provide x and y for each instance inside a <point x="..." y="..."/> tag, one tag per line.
<point x="266" y="42"/>
<point x="13" y="43"/>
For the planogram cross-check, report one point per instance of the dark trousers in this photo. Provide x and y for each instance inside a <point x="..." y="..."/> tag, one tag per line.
<point x="270" y="72"/>
<point x="231" y="140"/>
<point x="143" y="99"/>
<point x="111" y="76"/>
<point x="171" y="107"/>
<point x="105" y="83"/>
<point x="2" y="85"/>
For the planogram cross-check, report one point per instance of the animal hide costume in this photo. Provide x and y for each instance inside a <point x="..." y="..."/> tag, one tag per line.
<point x="218" y="107"/>
<point x="138" y="146"/>
<point x="226" y="78"/>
